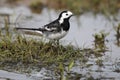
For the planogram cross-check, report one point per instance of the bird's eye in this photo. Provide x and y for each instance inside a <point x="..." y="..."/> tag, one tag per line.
<point x="66" y="14"/>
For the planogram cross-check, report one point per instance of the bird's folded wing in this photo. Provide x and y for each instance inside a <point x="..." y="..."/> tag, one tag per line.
<point x="52" y="27"/>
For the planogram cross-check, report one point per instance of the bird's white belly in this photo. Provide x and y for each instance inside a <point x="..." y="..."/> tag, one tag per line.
<point x="57" y="35"/>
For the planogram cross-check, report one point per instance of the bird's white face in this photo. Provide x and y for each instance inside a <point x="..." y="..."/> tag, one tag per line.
<point x="65" y="15"/>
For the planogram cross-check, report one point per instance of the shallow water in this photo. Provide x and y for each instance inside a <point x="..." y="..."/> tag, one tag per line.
<point x="81" y="35"/>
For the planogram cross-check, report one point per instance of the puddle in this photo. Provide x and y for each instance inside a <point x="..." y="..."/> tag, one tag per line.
<point x="81" y="35"/>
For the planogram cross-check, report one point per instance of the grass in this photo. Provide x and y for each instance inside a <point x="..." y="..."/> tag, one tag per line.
<point x="80" y="6"/>
<point x="106" y="7"/>
<point x="100" y="41"/>
<point x="18" y="53"/>
<point x="117" y="35"/>
<point x="25" y="55"/>
<point x="12" y="1"/>
<point x="29" y="51"/>
<point x="36" y="6"/>
<point x="15" y="49"/>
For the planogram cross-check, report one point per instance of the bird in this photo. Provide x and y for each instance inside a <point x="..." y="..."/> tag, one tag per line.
<point x="56" y="29"/>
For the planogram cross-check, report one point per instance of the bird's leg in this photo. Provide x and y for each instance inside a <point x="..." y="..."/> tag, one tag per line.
<point x="51" y="42"/>
<point x="57" y="42"/>
<point x="54" y="42"/>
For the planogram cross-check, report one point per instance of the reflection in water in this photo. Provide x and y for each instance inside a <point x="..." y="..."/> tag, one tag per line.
<point x="81" y="36"/>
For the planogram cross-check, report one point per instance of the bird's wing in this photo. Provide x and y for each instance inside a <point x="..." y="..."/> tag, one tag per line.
<point x="52" y="27"/>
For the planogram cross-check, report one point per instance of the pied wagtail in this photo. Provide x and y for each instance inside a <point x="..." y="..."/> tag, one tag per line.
<point x="56" y="29"/>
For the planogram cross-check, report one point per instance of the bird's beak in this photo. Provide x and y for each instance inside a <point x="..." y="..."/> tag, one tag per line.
<point x="71" y="14"/>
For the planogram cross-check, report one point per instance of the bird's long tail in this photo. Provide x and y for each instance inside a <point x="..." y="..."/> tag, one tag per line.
<point x="27" y="29"/>
<point x="38" y="31"/>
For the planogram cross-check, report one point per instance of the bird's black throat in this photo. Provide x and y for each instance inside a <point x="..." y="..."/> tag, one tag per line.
<point x="65" y="25"/>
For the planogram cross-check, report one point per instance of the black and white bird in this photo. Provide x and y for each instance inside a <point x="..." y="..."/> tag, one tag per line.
<point x="56" y="29"/>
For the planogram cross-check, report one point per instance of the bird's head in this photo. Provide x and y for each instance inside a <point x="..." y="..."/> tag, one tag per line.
<point x="65" y="15"/>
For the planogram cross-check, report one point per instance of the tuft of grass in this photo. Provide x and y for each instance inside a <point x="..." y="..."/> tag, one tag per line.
<point x="99" y="41"/>
<point x="117" y="35"/>
<point x="99" y="62"/>
<point x="18" y="49"/>
<point x="36" y="6"/>
<point x="29" y="51"/>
